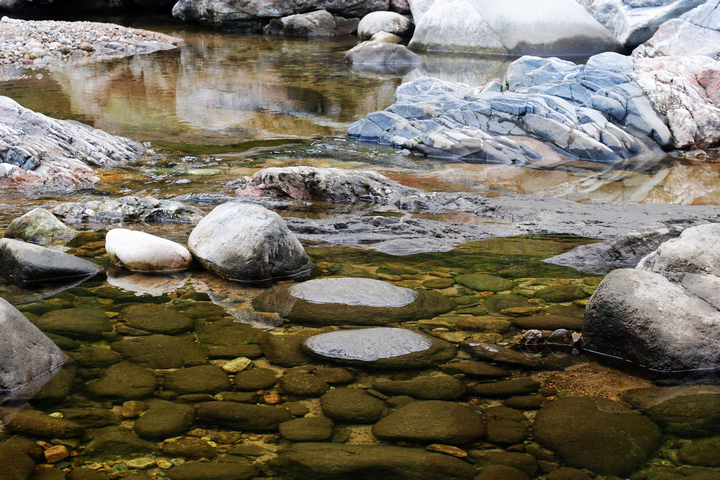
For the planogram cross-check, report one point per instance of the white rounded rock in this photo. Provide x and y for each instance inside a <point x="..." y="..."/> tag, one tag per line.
<point x="389" y="22"/>
<point x="142" y="252"/>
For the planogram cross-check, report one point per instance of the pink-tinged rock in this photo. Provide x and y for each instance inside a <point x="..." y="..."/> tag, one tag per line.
<point x="687" y="91"/>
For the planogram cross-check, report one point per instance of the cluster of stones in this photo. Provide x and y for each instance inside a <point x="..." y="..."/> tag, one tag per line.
<point x="178" y="388"/>
<point x="31" y="44"/>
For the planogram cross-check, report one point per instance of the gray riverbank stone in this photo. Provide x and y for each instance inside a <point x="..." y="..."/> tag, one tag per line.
<point x="326" y="461"/>
<point x="25" y="263"/>
<point x="596" y="433"/>
<point x="142" y="252"/>
<point x="351" y="301"/>
<point x="39" y="226"/>
<point x="248" y="243"/>
<point x="25" y="352"/>
<point x="432" y="421"/>
<point x="381" y="347"/>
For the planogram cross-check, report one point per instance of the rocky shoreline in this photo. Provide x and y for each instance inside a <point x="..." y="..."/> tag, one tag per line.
<point x="29" y="44"/>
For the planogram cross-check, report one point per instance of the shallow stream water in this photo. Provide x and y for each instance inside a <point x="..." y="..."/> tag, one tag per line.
<point x="223" y="106"/>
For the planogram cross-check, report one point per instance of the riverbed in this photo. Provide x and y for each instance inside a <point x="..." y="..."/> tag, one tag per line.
<point x="222" y="106"/>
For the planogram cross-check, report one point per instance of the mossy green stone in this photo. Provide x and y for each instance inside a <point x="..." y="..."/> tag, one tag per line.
<point x="482" y="282"/>
<point x="561" y="293"/>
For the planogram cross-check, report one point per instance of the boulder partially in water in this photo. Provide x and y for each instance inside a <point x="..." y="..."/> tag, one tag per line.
<point x="381" y="53"/>
<point x="57" y="154"/>
<point x="596" y="433"/>
<point x="25" y="352"/>
<point x="350" y="301"/>
<point x="26" y="264"/>
<point x="142" y="252"/>
<point x="39" y="226"/>
<point x="663" y="315"/>
<point x="381" y="347"/>
<point x="248" y="243"/>
<point x="128" y="209"/>
<point x="557" y="27"/>
<point x="325" y="461"/>
<point x="389" y="22"/>
<point x="311" y="25"/>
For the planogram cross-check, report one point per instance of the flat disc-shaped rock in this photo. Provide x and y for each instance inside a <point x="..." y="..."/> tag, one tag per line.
<point x="381" y="347"/>
<point x="142" y="252"/>
<point x="350" y="301"/>
<point x="24" y="263"/>
<point x="78" y="323"/>
<point x="596" y="433"/>
<point x="248" y="243"/>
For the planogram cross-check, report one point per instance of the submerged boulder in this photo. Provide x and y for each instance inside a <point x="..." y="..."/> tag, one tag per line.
<point x="142" y="252"/>
<point x="248" y="243"/>
<point x="596" y="433"/>
<point x="25" y="352"/>
<point x="350" y="301"/>
<point x="39" y="226"/>
<point x="524" y="27"/>
<point x="325" y="461"/>
<point x="381" y="53"/>
<point x="26" y="264"/>
<point x="380" y="347"/>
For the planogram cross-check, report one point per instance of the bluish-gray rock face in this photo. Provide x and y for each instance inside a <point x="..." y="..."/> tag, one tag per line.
<point x="594" y="112"/>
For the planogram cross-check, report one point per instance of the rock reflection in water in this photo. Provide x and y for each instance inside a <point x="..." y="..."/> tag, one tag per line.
<point x="146" y="284"/>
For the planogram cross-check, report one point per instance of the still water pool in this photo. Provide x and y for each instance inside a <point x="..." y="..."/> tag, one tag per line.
<point x="139" y="397"/>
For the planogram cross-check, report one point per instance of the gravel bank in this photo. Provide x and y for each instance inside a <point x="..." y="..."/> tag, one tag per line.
<point x="28" y="45"/>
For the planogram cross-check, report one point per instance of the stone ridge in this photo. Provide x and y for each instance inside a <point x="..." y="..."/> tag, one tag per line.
<point x="593" y="112"/>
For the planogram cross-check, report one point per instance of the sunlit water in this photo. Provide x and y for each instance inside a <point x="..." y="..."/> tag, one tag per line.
<point x="223" y="106"/>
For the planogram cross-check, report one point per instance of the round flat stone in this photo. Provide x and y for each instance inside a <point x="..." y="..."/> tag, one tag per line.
<point x="380" y="347"/>
<point x="354" y="291"/>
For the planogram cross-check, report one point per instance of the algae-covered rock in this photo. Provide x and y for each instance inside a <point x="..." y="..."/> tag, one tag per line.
<point x="40" y="227"/>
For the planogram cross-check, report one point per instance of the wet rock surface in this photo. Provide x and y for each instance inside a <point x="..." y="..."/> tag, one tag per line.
<point x="39" y="226"/>
<point x="248" y="243"/>
<point x="380" y="347"/>
<point x="127" y="209"/>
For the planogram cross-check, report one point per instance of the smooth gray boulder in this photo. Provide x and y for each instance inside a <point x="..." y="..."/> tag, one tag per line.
<point x="695" y="251"/>
<point x="142" y="252"/>
<point x="39" y="226"/>
<point x="643" y="318"/>
<point x="381" y="53"/>
<point x="380" y="347"/>
<point x="326" y="461"/>
<point x="311" y="25"/>
<point x="26" y="264"/>
<point x="389" y="22"/>
<point x="59" y="154"/>
<point x="248" y="243"/>
<point x="523" y="27"/>
<point x="25" y="352"/>
<point x="632" y="21"/>
<point x="127" y="209"/>
<point x="350" y="301"/>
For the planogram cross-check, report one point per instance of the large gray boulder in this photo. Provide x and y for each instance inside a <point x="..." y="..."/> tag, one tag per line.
<point x="632" y="21"/>
<point x="25" y="352"/>
<point x="544" y="105"/>
<point x="311" y="25"/>
<point x="381" y="53"/>
<point x="127" y="209"/>
<point x="521" y="27"/>
<point x="389" y="22"/>
<point x="26" y="264"/>
<point x="61" y="154"/>
<point x="248" y="243"/>
<point x="664" y="314"/>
